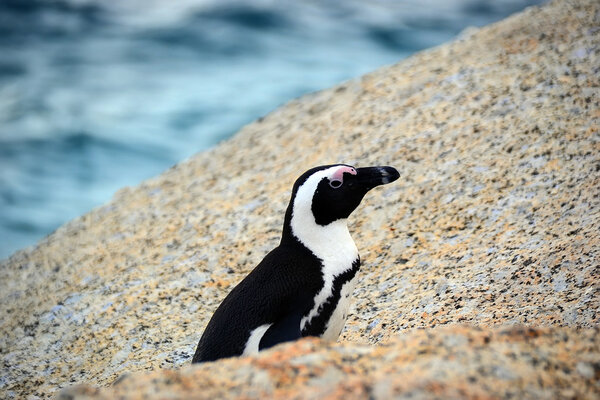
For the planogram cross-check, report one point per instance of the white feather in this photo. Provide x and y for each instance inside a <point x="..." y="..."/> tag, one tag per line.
<point x="254" y="339"/>
<point x="340" y="314"/>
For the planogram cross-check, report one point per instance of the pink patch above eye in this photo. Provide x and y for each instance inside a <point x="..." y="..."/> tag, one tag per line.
<point x="338" y="175"/>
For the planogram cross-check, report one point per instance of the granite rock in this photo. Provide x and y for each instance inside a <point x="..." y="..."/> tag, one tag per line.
<point x="448" y="362"/>
<point x="493" y="223"/>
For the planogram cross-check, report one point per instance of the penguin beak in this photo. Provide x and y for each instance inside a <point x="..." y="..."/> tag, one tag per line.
<point x="371" y="177"/>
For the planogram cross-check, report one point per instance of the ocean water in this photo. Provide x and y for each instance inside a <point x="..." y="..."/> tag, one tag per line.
<point x="96" y="95"/>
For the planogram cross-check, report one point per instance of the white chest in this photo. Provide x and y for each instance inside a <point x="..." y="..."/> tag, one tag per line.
<point x="340" y="314"/>
<point x="338" y="253"/>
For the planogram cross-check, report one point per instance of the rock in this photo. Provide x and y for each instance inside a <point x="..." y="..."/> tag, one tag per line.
<point x="494" y="223"/>
<point x="447" y="362"/>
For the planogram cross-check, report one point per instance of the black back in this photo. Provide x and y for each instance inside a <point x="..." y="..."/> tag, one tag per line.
<point x="283" y="284"/>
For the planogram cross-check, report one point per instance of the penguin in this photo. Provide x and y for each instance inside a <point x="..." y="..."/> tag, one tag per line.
<point x="303" y="286"/>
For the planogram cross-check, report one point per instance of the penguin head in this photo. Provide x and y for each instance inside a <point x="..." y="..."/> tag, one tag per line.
<point x="329" y="193"/>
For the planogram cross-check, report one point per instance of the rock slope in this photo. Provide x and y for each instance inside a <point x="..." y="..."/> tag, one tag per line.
<point x="494" y="225"/>
<point x="448" y="362"/>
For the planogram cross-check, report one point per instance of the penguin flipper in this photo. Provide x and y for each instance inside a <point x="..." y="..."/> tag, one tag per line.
<point x="284" y="330"/>
<point x="287" y="327"/>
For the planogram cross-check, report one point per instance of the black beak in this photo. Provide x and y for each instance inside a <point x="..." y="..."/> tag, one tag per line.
<point x="375" y="176"/>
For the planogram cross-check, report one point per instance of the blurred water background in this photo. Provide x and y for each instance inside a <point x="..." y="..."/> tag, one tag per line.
<point x="99" y="94"/>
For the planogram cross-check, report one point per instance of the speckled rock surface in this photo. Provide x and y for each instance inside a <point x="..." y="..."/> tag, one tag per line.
<point x="494" y="221"/>
<point x="451" y="362"/>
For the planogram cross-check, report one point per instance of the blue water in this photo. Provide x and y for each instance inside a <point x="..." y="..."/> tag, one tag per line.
<point x="96" y="95"/>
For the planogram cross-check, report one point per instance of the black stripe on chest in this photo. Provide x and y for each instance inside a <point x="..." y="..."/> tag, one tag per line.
<point x="317" y="325"/>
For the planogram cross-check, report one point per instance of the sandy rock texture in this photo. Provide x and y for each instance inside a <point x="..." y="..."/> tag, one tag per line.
<point x="448" y="362"/>
<point x="481" y="265"/>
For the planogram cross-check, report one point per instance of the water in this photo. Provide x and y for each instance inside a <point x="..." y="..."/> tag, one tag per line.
<point x="96" y="95"/>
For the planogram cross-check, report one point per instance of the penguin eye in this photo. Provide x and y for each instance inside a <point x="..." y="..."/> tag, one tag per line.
<point x="335" y="183"/>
